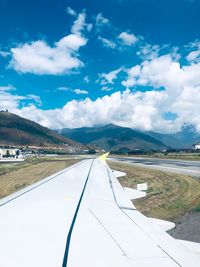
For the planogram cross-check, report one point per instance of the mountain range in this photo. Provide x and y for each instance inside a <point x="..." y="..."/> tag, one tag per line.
<point x="123" y="139"/>
<point x="114" y="138"/>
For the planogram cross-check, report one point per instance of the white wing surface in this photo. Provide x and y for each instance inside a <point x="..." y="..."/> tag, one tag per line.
<point x="82" y="217"/>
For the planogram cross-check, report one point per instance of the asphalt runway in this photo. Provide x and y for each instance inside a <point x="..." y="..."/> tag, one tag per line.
<point x="178" y="166"/>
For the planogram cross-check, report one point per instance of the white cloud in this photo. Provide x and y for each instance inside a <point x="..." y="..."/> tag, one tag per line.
<point x="4" y="53"/>
<point x="9" y="101"/>
<point x="101" y="21"/>
<point x="119" y="108"/>
<point x="39" y="58"/>
<point x="140" y="110"/>
<point x="194" y="56"/>
<point x="80" y="92"/>
<point x="107" y="43"/>
<point x="180" y="86"/>
<point x="14" y="102"/>
<point x="64" y="88"/>
<point x="194" y="51"/>
<point x="9" y="87"/>
<point x="148" y="51"/>
<point x="133" y="73"/>
<point x="86" y="79"/>
<point x="76" y="91"/>
<point x="109" y="77"/>
<point x="128" y="38"/>
<point x="80" y="24"/>
<point x="160" y="72"/>
<point x="71" y="11"/>
<point x="36" y="99"/>
<point x="106" y="88"/>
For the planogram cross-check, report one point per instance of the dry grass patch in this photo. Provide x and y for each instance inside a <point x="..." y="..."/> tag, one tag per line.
<point x="169" y="195"/>
<point x="17" y="177"/>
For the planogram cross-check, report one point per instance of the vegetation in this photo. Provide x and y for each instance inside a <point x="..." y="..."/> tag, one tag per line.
<point x="169" y="195"/>
<point x="14" y="177"/>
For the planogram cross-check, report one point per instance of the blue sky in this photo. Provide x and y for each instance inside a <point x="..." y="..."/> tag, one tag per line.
<point x="83" y="63"/>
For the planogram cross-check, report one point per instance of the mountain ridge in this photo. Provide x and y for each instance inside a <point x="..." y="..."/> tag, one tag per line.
<point x="114" y="137"/>
<point x="18" y="131"/>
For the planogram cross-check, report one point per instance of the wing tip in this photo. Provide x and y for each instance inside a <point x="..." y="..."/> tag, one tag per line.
<point x="104" y="157"/>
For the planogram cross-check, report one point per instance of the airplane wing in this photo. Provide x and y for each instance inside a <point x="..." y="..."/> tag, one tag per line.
<point x="82" y="217"/>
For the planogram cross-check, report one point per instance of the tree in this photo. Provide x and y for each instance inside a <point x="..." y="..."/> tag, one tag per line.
<point x="17" y="153"/>
<point x="7" y="153"/>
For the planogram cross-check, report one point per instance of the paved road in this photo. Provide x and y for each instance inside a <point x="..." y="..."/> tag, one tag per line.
<point x="178" y="166"/>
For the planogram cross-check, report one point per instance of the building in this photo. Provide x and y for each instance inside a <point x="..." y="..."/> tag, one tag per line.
<point x="10" y="152"/>
<point x="197" y="146"/>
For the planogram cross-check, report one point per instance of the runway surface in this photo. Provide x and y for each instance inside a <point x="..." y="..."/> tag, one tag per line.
<point x="178" y="166"/>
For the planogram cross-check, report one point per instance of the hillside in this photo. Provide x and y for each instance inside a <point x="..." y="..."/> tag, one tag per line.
<point x="15" y="130"/>
<point x="114" y="138"/>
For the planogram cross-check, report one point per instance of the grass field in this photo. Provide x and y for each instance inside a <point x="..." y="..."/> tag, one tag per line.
<point x="17" y="176"/>
<point x="169" y="195"/>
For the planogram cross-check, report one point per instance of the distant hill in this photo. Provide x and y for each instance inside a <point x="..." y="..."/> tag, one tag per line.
<point x="114" y="138"/>
<point x="15" y="130"/>
<point x="186" y="138"/>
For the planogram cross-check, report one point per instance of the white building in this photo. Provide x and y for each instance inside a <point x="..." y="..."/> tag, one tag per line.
<point x="197" y="146"/>
<point x="10" y="152"/>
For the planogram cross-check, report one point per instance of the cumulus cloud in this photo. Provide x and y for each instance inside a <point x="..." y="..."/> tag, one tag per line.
<point x="179" y="84"/>
<point x="128" y="109"/>
<point x="9" y="101"/>
<point x="140" y="110"/>
<point x="39" y="58"/>
<point x="167" y="86"/>
<point x="164" y="72"/>
<point x="13" y="102"/>
<point x="128" y="38"/>
<point x="109" y="77"/>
